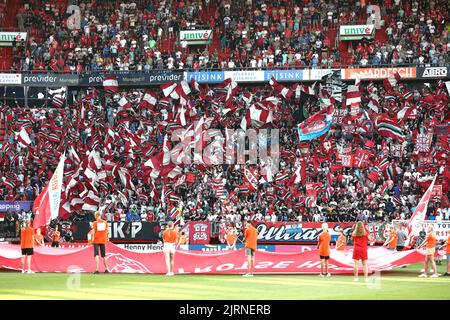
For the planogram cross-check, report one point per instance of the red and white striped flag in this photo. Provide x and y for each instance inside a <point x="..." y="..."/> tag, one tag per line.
<point x="256" y="114"/>
<point x="24" y="138"/>
<point x="148" y="101"/>
<point x="110" y="83"/>
<point x="284" y="91"/>
<point x="391" y="81"/>
<point x="168" y="88"/>
<point x="124" y="104"/>
<point x="91" y="202"/>
<point x="353" y="95"/>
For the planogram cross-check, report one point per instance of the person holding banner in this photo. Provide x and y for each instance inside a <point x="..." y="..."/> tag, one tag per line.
<point x="170" y="238"/>
<point x="430" y="244"/>
<point x="27" y="245"/>
<point x="360" y="242"/>
<point x="100" y="238"/>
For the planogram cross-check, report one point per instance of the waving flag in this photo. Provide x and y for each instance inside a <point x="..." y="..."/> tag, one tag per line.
<point x="388" y="128"/>
<point x="258" y="115"/>
<point x="46" y="205"/>
<point x="57" y="97"/>
<point x="111" y="84"/>
<point x="353" y="95"/>
<point x="251" y="177"/>
<point x="316" y="125"/>
<point x="24" y="138"/>
<point x="417" y="218"/>
<point x="149" y="101"/>
<point x="168" y="88"/>
<point x="285" y="92"/>
<point x="390" y="82"/>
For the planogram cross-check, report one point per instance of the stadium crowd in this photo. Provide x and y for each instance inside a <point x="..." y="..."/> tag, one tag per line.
<point x="110" y="138"/>
<point x="116" y="35"/>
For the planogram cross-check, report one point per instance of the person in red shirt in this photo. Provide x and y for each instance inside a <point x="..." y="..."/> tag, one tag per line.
<point x="170" y="237"/>
<point x="360" y="242"/>
<point x="323" y="245"/>
<point x="251" y="239"/>
<point x="99" y="240"/>
<point x="27" y="245"/>
<point x="430" y="244"/>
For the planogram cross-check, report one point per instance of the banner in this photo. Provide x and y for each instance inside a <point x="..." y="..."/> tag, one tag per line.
<point x="10" y="78"/>
<point x="308" y="232"/>
<point x="199" y="232"/>
<point x="415" y="222"/>
<point x="318" y="74"/>
<point x="245" y="76"/>
<point x="9" y="231"/>
<point x="251" y="177"/>
<point x="121" y="231"/>
<point x="46" y="205"/>
<point x="442" y="228"/>
<point x="356" y="32"/>
<point x="55" y="185"/>
<point x="127" y="78"/>
<point x="231" y="262"/>
<point x="433" y="72"/>
<point x="286" y="75"/>
<point x="206" y="76"/>
<point x="309" y="131"/>
<point x="378" y="73"/>
<point x="196" y="36"/>
<point x="50" y="80"/>
<point x="7" y="38"/>
<point x="15" y="206"/>
<point x="145" y="247"/>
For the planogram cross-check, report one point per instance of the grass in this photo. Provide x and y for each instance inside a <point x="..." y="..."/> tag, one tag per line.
<point x="391" y="285"/>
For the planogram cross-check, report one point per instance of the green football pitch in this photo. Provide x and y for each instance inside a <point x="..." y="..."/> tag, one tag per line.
<point x="400" y="283"/>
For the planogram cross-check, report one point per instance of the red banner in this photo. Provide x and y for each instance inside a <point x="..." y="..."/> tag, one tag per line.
<point x="199" y="232"/>
<point x="251" y="177"/>
<point x="230" y="262"/>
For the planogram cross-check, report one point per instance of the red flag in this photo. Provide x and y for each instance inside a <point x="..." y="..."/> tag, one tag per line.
<point x="110" y="83"/>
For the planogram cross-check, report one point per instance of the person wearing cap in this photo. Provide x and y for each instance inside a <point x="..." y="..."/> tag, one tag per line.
<point x="99" y="240"/>
<point x="27" y="245"/>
